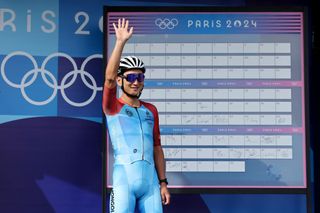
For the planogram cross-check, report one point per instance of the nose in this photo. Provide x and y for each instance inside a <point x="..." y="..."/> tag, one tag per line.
<point x="136" y="82"/>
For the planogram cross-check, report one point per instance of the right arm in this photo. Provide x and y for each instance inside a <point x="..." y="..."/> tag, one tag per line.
<point x="122" y="36"/>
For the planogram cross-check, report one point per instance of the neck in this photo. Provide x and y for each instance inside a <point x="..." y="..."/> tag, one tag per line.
<point x="134" y="102"/>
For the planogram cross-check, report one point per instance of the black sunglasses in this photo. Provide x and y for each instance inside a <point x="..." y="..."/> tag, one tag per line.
<point x="132" y="77"/>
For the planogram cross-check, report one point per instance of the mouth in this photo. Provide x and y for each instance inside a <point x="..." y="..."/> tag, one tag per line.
<point x="135" y="88"/>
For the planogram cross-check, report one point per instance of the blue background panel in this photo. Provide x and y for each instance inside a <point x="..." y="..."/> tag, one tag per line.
<point x="32" y="25"/>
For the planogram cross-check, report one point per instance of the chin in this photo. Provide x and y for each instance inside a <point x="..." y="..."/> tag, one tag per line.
<point x="134" y="93"/>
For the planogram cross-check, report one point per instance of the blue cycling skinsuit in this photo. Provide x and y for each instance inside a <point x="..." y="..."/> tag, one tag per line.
<point x="133" y="131"/>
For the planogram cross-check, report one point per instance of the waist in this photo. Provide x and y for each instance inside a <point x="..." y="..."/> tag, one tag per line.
<point x="122" y="159"/>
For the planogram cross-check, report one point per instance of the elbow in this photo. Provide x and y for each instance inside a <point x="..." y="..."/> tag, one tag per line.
<point x="109" y="83"/>
<point x="110" y="76"/>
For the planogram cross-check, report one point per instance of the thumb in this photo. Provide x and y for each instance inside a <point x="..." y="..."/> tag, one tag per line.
<point x="163" y="198"/>
<point x="131" y="31"/>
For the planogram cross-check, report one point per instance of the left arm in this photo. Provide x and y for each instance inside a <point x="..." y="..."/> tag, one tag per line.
<point x="158" y="155"/>
<point x="160" y="167"/>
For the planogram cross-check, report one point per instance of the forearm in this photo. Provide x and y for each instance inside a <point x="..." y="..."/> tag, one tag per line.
<point x="113" y="64"/>
<point x="159" y="162"/>
<point x="109" y="94"/>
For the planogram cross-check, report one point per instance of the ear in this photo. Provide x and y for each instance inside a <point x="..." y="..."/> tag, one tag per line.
<point x="119" y="81"/>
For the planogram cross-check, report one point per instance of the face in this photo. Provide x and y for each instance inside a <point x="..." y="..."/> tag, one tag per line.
<point x="133" y="88"/>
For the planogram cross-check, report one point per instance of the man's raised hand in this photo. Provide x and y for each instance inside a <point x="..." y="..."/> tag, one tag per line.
<point x="122" y="32"/>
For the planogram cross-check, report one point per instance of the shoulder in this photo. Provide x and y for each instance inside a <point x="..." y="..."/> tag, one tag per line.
<point x="150" y="106"/>
<point x="115" y="107"/>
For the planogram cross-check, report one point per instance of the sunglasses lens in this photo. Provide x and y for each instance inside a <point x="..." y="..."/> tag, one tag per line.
<point x="140" y="77"/>
<point x="133" y="77"/>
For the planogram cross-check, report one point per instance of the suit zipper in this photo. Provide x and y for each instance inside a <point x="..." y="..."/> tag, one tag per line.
<point x="141" y="133"/>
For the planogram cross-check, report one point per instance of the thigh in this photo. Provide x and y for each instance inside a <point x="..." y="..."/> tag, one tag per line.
<point x="122" y="200"/>
<point x="151" y="202"/>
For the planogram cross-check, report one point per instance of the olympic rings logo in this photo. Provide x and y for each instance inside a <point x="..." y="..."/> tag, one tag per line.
<point x="166" y="23"/>
<point x="45" y="74"/>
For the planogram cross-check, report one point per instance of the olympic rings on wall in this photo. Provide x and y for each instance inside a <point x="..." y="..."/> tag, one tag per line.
<point x="53" y="83"/>
<point x="166" y="23"/>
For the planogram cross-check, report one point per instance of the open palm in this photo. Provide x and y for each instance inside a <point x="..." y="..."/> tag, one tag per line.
<point x="122" y="32"/>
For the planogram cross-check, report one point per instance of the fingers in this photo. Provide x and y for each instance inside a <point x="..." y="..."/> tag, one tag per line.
<point x="167" y="199"/>
<point x="163" y="199"/>
<point x="123" y="22"/>
<point x="127" y="24"/>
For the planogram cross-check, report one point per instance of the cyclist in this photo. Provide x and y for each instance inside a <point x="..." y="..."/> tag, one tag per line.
<point x="133" y="127"/>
